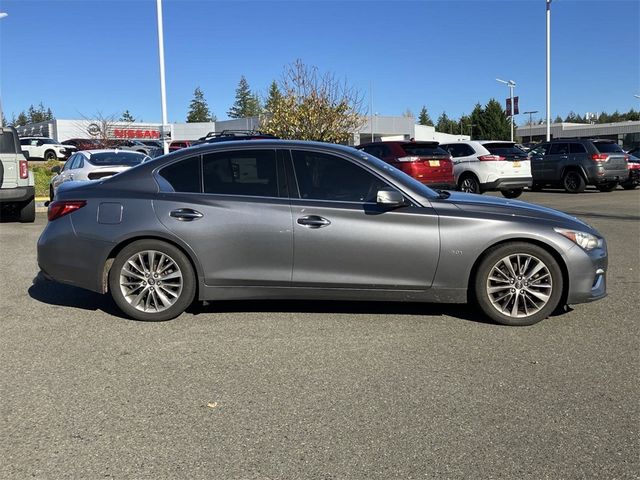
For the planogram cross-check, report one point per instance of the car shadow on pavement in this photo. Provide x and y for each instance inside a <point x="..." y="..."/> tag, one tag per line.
<point x="460" y="311"/>
<point x="55" y="293"/>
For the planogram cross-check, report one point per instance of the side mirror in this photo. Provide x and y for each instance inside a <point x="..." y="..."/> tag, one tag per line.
<point x="390" y="198"/>
<point x="55" y="169"/>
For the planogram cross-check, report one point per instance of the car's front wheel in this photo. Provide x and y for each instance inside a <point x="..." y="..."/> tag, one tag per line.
<point x="152" y="280"/>
<point x="518" y="284"/>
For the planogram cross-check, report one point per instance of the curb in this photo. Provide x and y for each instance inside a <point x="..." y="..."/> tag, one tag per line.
<point x="40" y="201"/>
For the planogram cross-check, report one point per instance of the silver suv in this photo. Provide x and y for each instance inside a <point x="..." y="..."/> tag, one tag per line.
<point x="17" y="191"/>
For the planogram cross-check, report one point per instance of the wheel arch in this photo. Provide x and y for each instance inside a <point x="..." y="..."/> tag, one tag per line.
<point x="547" y="247"/>
<point x="104" y="283"/>
<point x="574" y="168"/>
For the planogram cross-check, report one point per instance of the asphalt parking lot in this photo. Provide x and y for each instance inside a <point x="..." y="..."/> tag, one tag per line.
<point x="270" y="390"/>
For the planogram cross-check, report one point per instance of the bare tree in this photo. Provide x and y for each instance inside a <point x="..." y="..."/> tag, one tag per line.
<point x="314" y="106"/>
<point x="99" y="126"/>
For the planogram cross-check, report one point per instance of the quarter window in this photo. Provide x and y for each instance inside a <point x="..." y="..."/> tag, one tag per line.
<point x="241" y="172"/>
<point x="577" y="148"/>
<point x="183" y="176"/>
<point x="559" y="149"/>
<point x="326" y="177"/>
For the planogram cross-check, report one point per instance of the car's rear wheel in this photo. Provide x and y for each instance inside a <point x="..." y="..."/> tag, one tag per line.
<point x="51" y="194"/>
<point x="50" y="155"/>
<point x="628" y="185"/>
<point x="518" y="284"/>
<point x="28" y="212"/>
<point x="573" y="182"/>
<point x="512" y="193"/>
<point x="607" y="187"/>
<point x="152" y="280"/>
<point x="536" y="187"/>
<point x="468" y="183"/>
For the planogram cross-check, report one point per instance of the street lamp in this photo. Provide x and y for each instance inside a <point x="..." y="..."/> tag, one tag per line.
<point x="163" y="88"/>
<point x="2" y="15"/>
<point x="530" y="113"/>
<point x="548" y="70"/>
<point x="471" y="130"/>
<point x="511" y="84"/>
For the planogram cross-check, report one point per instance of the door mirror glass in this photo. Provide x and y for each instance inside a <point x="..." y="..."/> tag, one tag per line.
<point x="390" y="198"/>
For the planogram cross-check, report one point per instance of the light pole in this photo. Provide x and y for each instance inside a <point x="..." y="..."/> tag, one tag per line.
<point x="530" y="113"/>
<point x="163" y="88"/>
<point x="511" y="84"/>
<point x="2" y="15"/>
<point x="471" y="130"/>
<point x="548" y="70"/>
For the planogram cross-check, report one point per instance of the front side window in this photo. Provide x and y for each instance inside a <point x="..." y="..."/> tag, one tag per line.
<point x="559" y="149"/>
<point x="577" y="148"/>
<point x="241" y="172"/>
<point x="183" y="176"/>
<point x="326" y="177"/>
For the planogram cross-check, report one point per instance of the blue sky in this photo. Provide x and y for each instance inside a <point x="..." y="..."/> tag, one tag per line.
<point x="81" y="57"/>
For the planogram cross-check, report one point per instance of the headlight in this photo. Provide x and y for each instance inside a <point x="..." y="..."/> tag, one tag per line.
<point x="586" y="241"/>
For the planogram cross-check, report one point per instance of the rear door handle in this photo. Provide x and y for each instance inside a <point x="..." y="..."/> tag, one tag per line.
<point x="313" y="221"/>
<point x="186" y="214"/>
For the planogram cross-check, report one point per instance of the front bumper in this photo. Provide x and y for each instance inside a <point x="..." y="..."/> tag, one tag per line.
<point x="587" y="273"/>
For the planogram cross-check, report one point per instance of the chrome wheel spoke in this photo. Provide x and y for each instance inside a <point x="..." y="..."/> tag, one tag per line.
<point x="144" y="287"/>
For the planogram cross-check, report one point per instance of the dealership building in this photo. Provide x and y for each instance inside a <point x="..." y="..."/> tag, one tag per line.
<point x="374" y="128"/>
<point x="626" y="134"/>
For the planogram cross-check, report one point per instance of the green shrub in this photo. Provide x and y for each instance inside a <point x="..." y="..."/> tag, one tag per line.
<point x="42" y="175"/>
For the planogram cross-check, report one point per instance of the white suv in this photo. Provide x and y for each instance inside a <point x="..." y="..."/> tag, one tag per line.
<point x="490" y="165"/>
<point x="45" y="148"/>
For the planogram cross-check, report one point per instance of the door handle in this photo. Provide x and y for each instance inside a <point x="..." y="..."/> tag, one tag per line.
<point x="186" y="214"/>
<point x="313" y="221"/>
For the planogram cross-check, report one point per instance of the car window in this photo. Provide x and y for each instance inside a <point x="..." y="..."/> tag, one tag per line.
<point x="184" y="176"/>
<point x="25" y="141"/>
<point x="241" y="172"/>
<point x="327" y="177"/>
<point x="67" y="164"/>
<point x="559" y="149"/>
<point x="608" y="147"/>
<point x="503" y="149"/>
<point x="374" y="150"/>
<point x="540" y="150"/>
<point x="577" y="148"/>
<point x="117" y="157"/>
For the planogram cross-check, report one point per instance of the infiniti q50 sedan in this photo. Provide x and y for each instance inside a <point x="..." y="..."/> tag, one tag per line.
<point x="304" y="220"/>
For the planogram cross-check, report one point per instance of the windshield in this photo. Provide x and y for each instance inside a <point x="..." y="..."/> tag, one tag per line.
<point x="117" y="158"/>
<point x="608" y="147"/>
<point x="398" y="175"/>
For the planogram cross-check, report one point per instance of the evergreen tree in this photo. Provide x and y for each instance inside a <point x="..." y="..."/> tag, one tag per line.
<point x="39" y="114"/>
<point x="198" y="109"/>
<point x="21" y="119"/>
<point x="444" y="123"/>
<point x="247" y="104"/>
<point x="424" y="118"/>
<point x="558" y="119"/>
<point x="127" y="117"/>
<point x="274" y="97"/>
<point x="408" y="113"/>
<point x="493" y="124"/>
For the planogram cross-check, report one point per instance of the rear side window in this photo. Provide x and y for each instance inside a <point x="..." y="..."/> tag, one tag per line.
<point x="241" y="172"/>
<point x="326" y="177"/>
<point x="503" y="149"/>
<point x="459" y="150"/>
<point x="183" y="176"/>
<point x="608" y="147"/>
<point x="7" y="144"/>
<point x="577" y="148"/>
<point x="416" y="149"/>
<point x="559" y="149"/>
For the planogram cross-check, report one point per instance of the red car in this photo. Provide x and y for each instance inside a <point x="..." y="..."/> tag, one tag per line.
<point x="424" y="161"/>
<point x="178" y="144"/>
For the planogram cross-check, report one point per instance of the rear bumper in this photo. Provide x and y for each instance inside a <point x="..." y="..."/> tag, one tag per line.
<point x="16" y="195"/>
<point x="633" y="178"/>
<point x="507" y="183"/>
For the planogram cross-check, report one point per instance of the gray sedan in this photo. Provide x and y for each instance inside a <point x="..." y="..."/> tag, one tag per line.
<point x="94" y="165"/>
<point x="304" y="220"/>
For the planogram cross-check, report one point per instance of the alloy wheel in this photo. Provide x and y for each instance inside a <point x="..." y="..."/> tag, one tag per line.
<point x="469" y="185"/>
<point x="519" y="285"/>
<point x="151" y="281"/>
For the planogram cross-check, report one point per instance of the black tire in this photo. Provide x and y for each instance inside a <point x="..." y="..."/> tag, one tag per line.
<point x="607" y="187"/>
<point x="628" y="186"/>
<point x="51" y="194"/>
<point x="1" y="173"/>
<point x="573" y="182"/>
<point x="50" y="155"/>
<point x="28" y="212"/>
<point x="492" y="259"/>
<point x="184" y="297"/>
<point x="512" y="193"/>
<point x="468" y="183"/>
<point x="536" y="187"/>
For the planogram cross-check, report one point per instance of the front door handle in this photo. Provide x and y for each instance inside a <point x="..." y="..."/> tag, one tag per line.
<point x="313" y="221"/>
<point x="186" y="214"/>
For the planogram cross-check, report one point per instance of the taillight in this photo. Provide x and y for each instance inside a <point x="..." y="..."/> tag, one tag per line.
<point x="408" y="159"/>
<point x="490" y="158"/>
<point x="61" y="208"/>
<point x="24" y="169"/>
<point x="599" y="157"/>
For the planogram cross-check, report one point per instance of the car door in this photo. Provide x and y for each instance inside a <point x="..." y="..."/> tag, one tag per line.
<point x="537" y="157"/>
<point x="66" y="174"/>
<point x="555" y="161"/>
<point x="233" y="211"/>
<point x="344" y="239"/>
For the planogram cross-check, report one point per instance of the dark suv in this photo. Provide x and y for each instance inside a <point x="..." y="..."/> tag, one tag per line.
<point x="574" y="163"/>
<point x="226" y="135"/>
